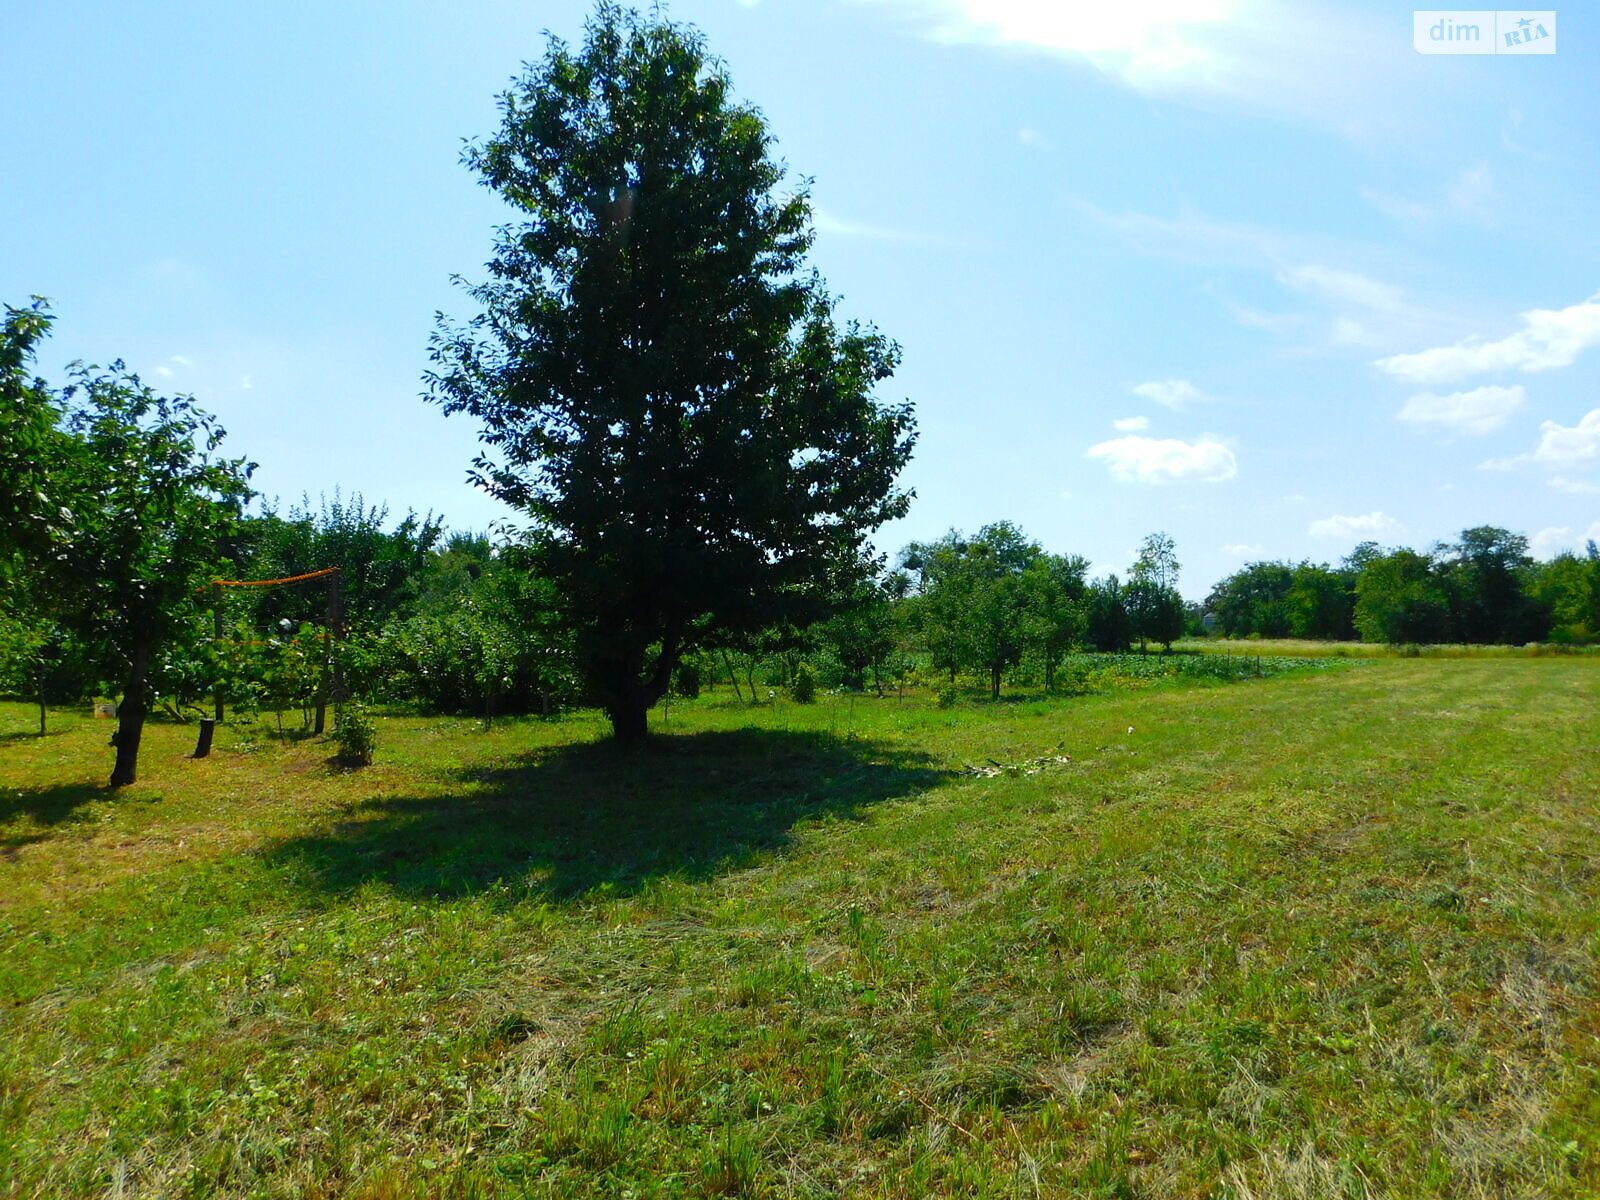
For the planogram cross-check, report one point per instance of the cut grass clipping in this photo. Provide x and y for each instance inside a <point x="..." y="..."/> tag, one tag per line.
<point x="1322" y="934"/>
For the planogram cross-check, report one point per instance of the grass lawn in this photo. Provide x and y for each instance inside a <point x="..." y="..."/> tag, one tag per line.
<point x="1331" y="934"/>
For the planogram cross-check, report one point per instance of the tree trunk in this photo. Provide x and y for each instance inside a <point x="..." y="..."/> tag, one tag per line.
<point x="1049" y="674"/>
<point x="130" y="720"/>
<point x="628" y="698"/>
<point x="40" y="681"/>
<point x="630" y="723"/>
<point x="994" y="683"/>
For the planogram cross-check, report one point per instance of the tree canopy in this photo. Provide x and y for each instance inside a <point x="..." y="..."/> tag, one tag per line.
<point x="29" y="440"/>
<point x="156" y="516"/>
<point x="1155" y="607"/>
<point x="661" y="386"/>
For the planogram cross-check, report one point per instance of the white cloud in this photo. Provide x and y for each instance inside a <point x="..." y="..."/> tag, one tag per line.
<point x="1369" y="525"/>
<point x="1555" y="539"/>
<point x="1301" y="60"/>
<point x="1030" y="137"/>
<point x="1366" y="311"/>
<point x="1167" y="460"/>
<point x="181" y="360"/>
<point x="1549" y="338"/>
<point x="1176" y="394"/>
<point x="1482" y="410"/>
<point x="1348" y="287"/>
<point x="1560" y="446"/>
<point x="1329" y="305"/>
<point x="1241" y="550"/>
<point x="1280" y="324"/>
<point x="1131" y="424"/>
<point x="1550" y="541"/>
<point x="1150" y="44"/>
<point x="1575" y="487"/>
<point x="1569" y="445"/>
<point x="1355" y="308"/>
<point x="1336" y="305"/>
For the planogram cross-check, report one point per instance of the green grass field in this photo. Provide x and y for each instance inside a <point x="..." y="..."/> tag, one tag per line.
<point x="1328" y="934"/>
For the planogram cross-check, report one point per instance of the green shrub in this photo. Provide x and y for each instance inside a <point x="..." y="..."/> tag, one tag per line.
<point x="1072" y="677"/>
<point x="355" y="733"/>
<point x="464" y="660"/>
<point x="687" y="684"/>
<point x="948" y="695"/>
<point x="804" y="688"/>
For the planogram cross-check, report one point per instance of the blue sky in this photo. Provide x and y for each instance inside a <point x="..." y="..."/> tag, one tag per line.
<point x="1252" y="272"/>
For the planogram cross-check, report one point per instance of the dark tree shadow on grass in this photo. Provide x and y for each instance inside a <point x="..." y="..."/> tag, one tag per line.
<point x="46" y="806"/>
<point x="29" y="735"/>
<point x="561" y="822"/>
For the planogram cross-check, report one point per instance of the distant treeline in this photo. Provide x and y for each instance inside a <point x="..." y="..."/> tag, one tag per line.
<point x="465" y="623"/>
<point x="1482" y="588"/>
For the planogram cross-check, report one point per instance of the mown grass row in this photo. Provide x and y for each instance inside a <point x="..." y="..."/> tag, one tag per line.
<point x="1326" y="934"/>
<point x="1109" y="672"/>
<point x="1310" y="648"/>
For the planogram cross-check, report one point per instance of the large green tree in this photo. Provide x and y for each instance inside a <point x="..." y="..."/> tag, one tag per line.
<point x="1056" y="614"/>
<point x="1483" y="575"/>
<point x="1399" y="599"/>
<point x="154" y="516"/>
<point x="381" y="571"/>
<point x="1107" y="625"/>
<point x="938" y="603"/>
<point x="1254" y="599"/>
<point x="995" y="570"/>
<point x="1155" y="606"/>
<point x="1566" y="591"/>
<point x="661" y="385"/>
<point x="1321" y="603"/>
<point x="862" y="634"/>
<point x="975" y="598"/>
<point x="30" y="506"/>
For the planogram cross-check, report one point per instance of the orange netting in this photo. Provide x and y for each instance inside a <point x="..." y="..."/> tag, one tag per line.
<point x="271" y="582"/>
